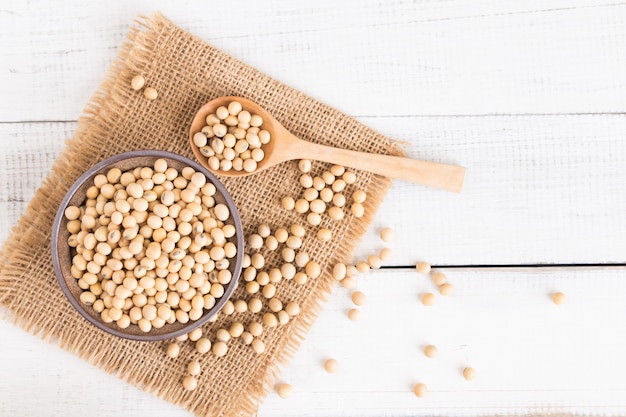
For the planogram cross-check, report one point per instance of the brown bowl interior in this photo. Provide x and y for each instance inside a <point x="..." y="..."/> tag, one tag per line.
<point x="62" y="253"/>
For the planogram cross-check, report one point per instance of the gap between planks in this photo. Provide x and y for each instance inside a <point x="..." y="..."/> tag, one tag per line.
<point x="516" y="266"/>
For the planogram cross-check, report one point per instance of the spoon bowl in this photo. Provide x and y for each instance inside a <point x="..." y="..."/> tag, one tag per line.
<point x="284" y="146"/>
<point x="269" y="123"/>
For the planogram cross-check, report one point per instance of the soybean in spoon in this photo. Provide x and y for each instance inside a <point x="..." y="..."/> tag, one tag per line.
<point x="284" y="146"/>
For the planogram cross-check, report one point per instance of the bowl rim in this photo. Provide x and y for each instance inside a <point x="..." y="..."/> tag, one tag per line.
<point x="89" y="174"/>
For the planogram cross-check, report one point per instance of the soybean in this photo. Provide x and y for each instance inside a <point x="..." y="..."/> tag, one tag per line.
<point x="419" y="390"/>
<point x="284" y="390"/>
<point x="331" y="365"/>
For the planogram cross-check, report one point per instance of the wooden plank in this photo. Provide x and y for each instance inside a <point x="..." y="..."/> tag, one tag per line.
<point x="530" y="355"/>
<point x="374" y="58"/>
<point x="539" y="189"/>
<point x="27" y="153"/>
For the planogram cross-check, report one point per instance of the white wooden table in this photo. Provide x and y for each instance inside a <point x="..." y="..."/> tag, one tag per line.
<point x="530" y="96"/>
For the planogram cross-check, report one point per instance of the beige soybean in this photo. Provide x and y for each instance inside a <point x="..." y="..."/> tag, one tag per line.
<point x="439" y="278"/>
<point x="419" y="390"/>
<point x="294" y="242"/>
<point x="335" y="213"/>
<point x="331" y="365"/>
<point x="275" y="305"/>
<point x="288" y="203"/>
<point x="271" y="243"/>
<point x="234" y="107"/>
<point x="328" y="177"/>
<point x="263" y="278"/>
<point x="257" y="261"/>
<point x="255" y="305"/>
<point x="469" y="373"/>
<point x="430" y="351"/>
<point x="72" y="212"/>
<point x="222" y="112"/>
<point x="292" y="308"/>
<point x="318" y="183"/>
<point x="229" y="308"/>
<point x="275" y="275"/>
<point x="195" y="334"/>
<point x="270" y="320"/>
<point x="310" y="194"/>
<point x="359" y="196"/>
<point x="264" y="137"/>
<point x="297" y="230"/>
<point x="193" y="368"/>
<point x="558" y="298"/>
<point x="255" y="241"/>
<point x="284" y="390"/>
<point x="339" y="200"/>
<point x="264" y="230"/>
<point x="301" y="259"/>
<point x="357" y="210"/>
<point x="220" y="349"/>
<point x="306" y="181"/>
<point x="236" y="329"/>
<point x="422" y="267"/>
<point x="314" y="219"/>
<point x="258" y="346"/>
<point x="362" y="267"/>
<point x="249" y="165"/>
<point x="255" y="328"/>
<point x="137" y="82"/>
<point x="222" y="335"/>
<point x="304" y="165"/>
<point x="301" y="206"/>
<point x="247" y="338"/>
<point x="326" y="195"/>
<point x="324" y="235"/>
<point x="428" y="299"/>
<point x="283" y="317"/>
<point x="200" y="140"/>
<point x="300" y="278"/>
<point x="338" y="186"/>
<point x="386" y="234"/>
<point x="339" y="271"/>
<point x="317" y="206"/>
<point x="313" y="269"/>
<point x="374" y="261"/>
<point x="281" y="235"/>
<point x="354" y="314"/>
<point x="269" y="291"/>
<point x="150" y="93"/>
<point x="288" y="270"/>
<point x="446" y="289"/>
<point x="173" y="349"/>
<point x="241" y="306"/>
<point x="349" y="177"/>
<point x="190" y="383"/>
<point x="337" y="170"/>
<point x="359" y="298"/>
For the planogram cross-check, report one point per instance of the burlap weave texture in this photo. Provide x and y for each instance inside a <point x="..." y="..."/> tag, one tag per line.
<point x="186" y="72"/>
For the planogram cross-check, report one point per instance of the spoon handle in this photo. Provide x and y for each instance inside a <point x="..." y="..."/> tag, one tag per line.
<point x="433" y="174"/>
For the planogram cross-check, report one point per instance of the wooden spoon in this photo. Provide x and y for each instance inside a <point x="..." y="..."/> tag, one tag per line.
<point x="284" y="146"/>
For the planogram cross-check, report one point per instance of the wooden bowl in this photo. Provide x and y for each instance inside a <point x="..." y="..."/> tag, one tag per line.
<point x="62" y="253"/>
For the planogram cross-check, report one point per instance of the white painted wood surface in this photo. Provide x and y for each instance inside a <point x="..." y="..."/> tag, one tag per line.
<point x="530" y="96"/>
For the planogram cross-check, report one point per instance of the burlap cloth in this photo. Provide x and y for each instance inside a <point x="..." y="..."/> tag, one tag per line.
<point x="186" y="72"/>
